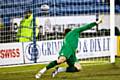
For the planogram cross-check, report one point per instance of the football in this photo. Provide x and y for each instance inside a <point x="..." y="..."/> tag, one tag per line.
<point x="45" y="7"/>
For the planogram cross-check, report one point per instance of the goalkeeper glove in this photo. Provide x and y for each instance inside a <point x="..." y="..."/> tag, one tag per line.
<point x="99" y="21"/>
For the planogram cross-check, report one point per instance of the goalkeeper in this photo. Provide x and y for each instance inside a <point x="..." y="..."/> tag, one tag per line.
<point x="68" y="51"/>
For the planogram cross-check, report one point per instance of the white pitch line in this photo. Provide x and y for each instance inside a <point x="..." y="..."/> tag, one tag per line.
<point x="22" y="65"/>
<point x="17" y="72"/>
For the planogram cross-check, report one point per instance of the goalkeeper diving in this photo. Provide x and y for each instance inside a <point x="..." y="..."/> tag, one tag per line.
<point x="68" y="51"/>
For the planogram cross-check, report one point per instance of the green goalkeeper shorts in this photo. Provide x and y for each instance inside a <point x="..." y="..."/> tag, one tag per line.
<point x="69" y="54"/>
<point x="72" y="59"/>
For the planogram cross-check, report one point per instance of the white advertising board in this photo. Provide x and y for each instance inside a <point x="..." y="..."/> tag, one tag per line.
<point x="11" y="53"/>
<point x="94" y="47"/>
<point x="87" y="47"/>
<point x="65" y="22"/>
<point x="59" y="23"/>
<point x="47" y="51"/>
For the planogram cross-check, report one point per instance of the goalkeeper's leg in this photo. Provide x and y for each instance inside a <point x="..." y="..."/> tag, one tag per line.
<point x="60" y="60"/>
<point x="76" y="68"/>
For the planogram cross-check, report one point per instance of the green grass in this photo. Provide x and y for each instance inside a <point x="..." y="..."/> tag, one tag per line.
<point x="89" y="72"/>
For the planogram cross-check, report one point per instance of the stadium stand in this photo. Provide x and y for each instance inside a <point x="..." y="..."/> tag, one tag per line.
<point x="16" y="8"/>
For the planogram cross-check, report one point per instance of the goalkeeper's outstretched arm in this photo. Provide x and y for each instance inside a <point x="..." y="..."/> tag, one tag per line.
<point x="88" y="26"/>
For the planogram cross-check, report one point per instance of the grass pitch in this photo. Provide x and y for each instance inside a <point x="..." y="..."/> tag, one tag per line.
<point x="89" y="72"/>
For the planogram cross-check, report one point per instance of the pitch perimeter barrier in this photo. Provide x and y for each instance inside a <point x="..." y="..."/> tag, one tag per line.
<point x="21" y="53"/>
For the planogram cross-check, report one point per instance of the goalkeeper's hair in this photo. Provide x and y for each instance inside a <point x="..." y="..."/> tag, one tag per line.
<point x="66" y="31"/>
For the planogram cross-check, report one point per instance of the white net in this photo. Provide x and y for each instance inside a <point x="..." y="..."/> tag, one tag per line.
<point x="53" y="17"/>
<point x="94" y="43"/>
<point x="73" y="12"/>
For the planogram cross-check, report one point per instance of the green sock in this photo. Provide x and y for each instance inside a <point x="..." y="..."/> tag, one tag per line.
<point x="52" y="64"/>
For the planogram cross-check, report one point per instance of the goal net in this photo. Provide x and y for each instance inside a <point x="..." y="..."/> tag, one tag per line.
<point x="51" y="17"/>
<point x="94" y="44"/>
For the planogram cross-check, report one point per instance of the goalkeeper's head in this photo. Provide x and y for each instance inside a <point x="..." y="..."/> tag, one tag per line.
<point x="66" y="31"/>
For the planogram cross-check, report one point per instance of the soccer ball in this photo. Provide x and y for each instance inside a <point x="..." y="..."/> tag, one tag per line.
<point x="45" y="7"/>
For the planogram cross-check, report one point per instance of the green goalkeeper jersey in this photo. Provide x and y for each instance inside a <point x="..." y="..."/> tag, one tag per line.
<point x="70" y="42"/>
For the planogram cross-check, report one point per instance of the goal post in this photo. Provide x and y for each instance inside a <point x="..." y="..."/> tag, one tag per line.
<point x="112" y="28"/>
